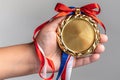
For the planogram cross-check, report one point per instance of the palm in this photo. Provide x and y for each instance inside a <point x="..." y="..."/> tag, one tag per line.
<point x="47" y="41"/>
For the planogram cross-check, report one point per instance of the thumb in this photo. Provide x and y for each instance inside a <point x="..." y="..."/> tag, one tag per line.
<point x="54" y="23"/>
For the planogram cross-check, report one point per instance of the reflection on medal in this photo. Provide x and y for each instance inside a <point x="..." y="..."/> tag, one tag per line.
<point x="78" y="35"/>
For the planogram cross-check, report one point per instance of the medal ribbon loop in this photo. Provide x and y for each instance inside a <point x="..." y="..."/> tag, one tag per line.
<point x="91" y="10"/>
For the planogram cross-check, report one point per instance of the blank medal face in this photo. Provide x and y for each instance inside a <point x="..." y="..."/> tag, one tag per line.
<point x="78" y="35"/>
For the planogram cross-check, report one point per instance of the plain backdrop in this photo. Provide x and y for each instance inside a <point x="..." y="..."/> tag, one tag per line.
<point x="19" y="18"/>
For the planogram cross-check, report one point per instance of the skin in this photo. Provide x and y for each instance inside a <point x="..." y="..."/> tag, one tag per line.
<point x="20" y="60"/>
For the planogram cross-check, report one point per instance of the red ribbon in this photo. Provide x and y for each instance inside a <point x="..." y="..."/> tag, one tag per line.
<point x="42" y="62"/>
<point x="63" y="10"/>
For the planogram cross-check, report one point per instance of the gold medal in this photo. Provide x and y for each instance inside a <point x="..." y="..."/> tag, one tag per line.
<point x="78" y="35"/>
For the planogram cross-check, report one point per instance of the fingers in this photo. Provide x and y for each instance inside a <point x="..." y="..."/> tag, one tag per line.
<point x="103" y="38"/>
<point x="86" y="60"/>
<point x="56" y="20"/>
<point x="54" y="23"/>
<point x="100" y="48"/>
<point x="94" y="57"/>
<point x="91" y="59"/>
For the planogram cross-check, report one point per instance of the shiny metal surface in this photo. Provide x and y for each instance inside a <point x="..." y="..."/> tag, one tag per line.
<point x="78" y="35"/>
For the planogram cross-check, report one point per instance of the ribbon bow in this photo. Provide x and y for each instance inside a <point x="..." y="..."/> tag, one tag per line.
<point x="91" y="10"/>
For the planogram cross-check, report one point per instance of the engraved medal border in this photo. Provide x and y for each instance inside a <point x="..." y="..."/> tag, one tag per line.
<point x="61" y="43"/>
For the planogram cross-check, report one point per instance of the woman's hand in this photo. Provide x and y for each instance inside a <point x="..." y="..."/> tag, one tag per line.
<point x="47" y="40"/>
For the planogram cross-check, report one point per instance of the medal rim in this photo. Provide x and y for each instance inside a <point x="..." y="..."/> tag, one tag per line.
<point x="63" y="46"/>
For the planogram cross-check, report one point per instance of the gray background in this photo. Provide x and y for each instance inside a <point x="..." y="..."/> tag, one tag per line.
<point x="18" y="19"/>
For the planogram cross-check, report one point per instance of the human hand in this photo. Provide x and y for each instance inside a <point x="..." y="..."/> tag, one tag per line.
<point x="47" y="40"/>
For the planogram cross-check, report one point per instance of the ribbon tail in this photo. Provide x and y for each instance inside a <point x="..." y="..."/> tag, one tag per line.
<point x="51" y="64"/>
<point x="62" y="65"/>
<point x="44" y="74"/>
<point x="69" y="68"/>
<point x="92" y="8"/>
<point x="41" y="57"/>
<point x="66" y="75"/>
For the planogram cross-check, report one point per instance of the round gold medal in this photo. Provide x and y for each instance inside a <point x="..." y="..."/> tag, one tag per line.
<point x="78" y="35"/>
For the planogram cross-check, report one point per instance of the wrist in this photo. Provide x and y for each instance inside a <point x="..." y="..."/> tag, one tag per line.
<point x="36" y="59"/>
